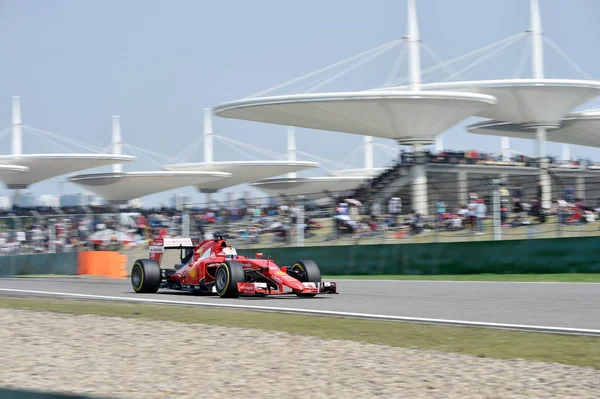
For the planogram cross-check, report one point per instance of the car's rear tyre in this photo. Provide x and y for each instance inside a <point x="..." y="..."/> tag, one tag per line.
<point x="227" y="277"/>
<point x="307" y="271"/>
<point x="145" y="276"/>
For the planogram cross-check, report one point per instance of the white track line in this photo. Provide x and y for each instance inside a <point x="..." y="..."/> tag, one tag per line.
<point x="458" y="281"/>
<point x="464" y="323"/>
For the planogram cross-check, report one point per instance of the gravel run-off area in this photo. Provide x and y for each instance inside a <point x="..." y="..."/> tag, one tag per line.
<point x="134" y="358"/>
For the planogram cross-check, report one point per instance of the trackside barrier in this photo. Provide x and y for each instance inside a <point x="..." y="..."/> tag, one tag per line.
<point x="556" y="255"/>
<point x="23" y="394"/>
<point x="108" y="264"/>
<point x="33" y="264"/>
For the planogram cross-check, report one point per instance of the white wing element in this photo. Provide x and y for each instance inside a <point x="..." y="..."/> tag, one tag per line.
<point x="176" y="242"/>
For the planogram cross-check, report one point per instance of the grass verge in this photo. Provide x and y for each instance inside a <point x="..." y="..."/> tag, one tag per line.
<point x="560" y="278"/>
<point x="481" y="342"/>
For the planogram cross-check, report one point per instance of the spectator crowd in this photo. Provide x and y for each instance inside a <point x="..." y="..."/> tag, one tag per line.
<point x="355" y="213"/>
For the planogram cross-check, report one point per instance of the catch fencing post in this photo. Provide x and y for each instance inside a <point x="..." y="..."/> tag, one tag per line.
<point x="185" y="221"/>
<point x="300" y="223"/>
<point x="496" y="219"/>
<point x="52" y="236"/>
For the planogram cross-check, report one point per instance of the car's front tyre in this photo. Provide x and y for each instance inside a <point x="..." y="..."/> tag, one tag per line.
<point x="306" y="271"/>
<point x="227" y="277"/>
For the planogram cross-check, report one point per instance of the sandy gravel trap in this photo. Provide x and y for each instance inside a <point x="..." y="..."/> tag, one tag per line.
<point x="126" y="358"/>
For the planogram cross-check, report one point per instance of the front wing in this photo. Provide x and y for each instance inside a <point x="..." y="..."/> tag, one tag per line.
<point x="261" y="289"/>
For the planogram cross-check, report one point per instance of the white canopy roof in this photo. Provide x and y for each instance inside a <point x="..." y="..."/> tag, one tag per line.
<point x="406" y="116"/>
<point x="358" y="172"/>
<point x="121" y="187"/>
<point x="579" y="128"/>
<point x="242" y="171"/>
<point x="534" y="102"/>
<point x="11" y="170"/>
<point x="309" y="185"/>
<point x="46" y="166"/>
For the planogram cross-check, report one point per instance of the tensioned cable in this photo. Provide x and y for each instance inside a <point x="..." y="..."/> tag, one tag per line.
<point x="318" y="71"/>
<point x="485" y="57"/>
<point x="351" y="154"/>
<point x="47" y="139"/>
<point x="465" y="56"/>
<point x="149" y="152"/>
<point x="4" y="132"/>
<point x="386" y="148"/>
<point x="567" y="58"/>
<point x="259" y="150"/>
<point x="396" y="67"/>
<point x="522" y="60"/>
<point x="354" y="66"/>
<point x="188" y="151"/>
<point x="437" y="58"/>
<point x="321" y="164"/>
<point x="239" y="151"/>
<point x="325" y="160"/>
<point x="139" y="153"/>
<point x="303" y="88"/>
<point x="74" y="142"/>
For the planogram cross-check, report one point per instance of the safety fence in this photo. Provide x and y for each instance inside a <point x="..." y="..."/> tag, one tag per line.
<point x="451" y="206"/>
<point x="479" y="207"/>
<point x="63" y="233"/>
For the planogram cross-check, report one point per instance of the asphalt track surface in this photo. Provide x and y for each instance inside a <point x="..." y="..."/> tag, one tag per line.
<point x="554" y="305"/>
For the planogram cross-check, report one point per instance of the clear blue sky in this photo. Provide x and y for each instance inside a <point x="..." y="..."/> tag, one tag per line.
<point x="158" y="64"/>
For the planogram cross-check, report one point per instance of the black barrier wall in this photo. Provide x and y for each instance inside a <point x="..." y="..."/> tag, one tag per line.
<point x="561" y="255"/>
<point x="22" y="394"/>
<point x="59" y="263"/>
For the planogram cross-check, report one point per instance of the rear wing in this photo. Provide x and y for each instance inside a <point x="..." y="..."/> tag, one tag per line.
<point x="157" y="246"/>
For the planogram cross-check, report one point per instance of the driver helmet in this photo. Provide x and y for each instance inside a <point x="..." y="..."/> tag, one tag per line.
<point x="230" y="253"/>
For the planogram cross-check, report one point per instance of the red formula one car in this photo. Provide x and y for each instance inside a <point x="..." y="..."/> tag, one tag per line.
<point x="213" y="266"/>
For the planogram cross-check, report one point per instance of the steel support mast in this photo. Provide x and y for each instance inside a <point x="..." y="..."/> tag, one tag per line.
<point x="419" y="183"/>
<point x="538" y="74"/>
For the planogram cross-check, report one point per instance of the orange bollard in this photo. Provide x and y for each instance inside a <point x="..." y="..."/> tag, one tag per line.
<point x="83" y="262"/>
